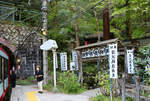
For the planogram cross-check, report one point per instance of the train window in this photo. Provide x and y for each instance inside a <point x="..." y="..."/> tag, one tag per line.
<point x="5" y="68"/>
<point x="0" y="69"/>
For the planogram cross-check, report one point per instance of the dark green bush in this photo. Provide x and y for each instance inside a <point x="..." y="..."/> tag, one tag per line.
<point x="68" y="83"/>
<point x="107" y="98"/>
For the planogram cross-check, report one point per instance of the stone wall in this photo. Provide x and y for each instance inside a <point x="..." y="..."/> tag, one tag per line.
<point x="15" y="33"/>
<point x="27" y="43"/>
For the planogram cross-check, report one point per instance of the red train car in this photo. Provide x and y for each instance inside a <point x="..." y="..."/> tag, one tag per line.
<point x="4" y="73"/>
<point x="7" y="60"/>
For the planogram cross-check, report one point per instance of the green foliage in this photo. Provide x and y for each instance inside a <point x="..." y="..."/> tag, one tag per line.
<point x="130" y="99"/>
<point x="141" y="61"/>
<point x="68" y="83"/>
<point x="103" y="82"/>
<point x="30" y="79"/>
<point x="142" y="56"/>
<point x="49" y="86"/>
<point x="62" y="15"/>
<point x="106" y="98"/>
<point x="27" y="81"/>
<point x="89" y="73"/>
<point x="62" y="18"/>
<point x="145" y="93"/>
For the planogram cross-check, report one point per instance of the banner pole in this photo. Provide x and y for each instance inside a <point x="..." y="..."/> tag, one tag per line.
<point x="110" y="89"/>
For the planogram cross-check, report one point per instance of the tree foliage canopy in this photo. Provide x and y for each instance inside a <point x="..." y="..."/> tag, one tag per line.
<point x="63" y="14"/>
<point x="126" y="17"/>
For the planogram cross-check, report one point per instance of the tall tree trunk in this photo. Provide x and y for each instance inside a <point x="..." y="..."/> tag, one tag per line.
<point x="55" y="20"/>
<point x="77" y="33"/>
<point x="128" y="23"/>
<point x="106" y="25"/>
<point x="80" y="78"/>
<point x="44" y="29"/>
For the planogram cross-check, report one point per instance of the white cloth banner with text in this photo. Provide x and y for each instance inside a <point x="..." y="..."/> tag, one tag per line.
<point x="113" y="63"/>
<point x="130" y="61"/>
<point x="75" y="59"/>
<point x="63" y="60"/>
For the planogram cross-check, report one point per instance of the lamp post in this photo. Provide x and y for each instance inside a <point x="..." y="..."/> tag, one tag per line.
<point x="51" y="45"/>
<point x="54" y="66"/>
<point x="18" y="62"/>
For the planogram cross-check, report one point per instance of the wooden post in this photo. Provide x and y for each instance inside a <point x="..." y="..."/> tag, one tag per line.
<point x="106" y="23"/>
<point x="98" y="63"/>
<point x="125" y="60"/>
<point x="80" y="67"/>
<point x="123" y="87"/>
<point x="137" y="88"/>
<point x="124" y="75"/>
<point x="72" y="72"/>
<point x="110" y="90"/>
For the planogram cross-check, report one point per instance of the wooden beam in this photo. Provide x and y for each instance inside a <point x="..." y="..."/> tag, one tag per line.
<point x="97" y="44"/>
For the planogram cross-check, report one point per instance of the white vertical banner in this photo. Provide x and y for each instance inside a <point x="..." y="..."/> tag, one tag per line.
<point x="130" y="61"/>
<point x="113" y="63"/>
<point x="75" y="59"/>
<point x="63" y="60"/>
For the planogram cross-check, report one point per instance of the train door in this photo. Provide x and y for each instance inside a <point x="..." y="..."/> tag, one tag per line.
<point x="1" y="78"/>
<point x="5" y="73"/>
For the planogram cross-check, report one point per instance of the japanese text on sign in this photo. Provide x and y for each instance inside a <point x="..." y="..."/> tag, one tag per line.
<point x="113" y="63"/>
<point x="130" y="61"/>
<point x="75" y="59"/>
<point x="95" y="52"/>
<point x="63" y="60"/>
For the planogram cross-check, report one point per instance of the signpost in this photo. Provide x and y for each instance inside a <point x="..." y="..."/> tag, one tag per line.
<point x="63" y="61"/>
<point x="113" y="63"/>
<point x="54" y="65"/>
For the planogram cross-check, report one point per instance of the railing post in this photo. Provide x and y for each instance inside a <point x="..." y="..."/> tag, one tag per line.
<point x="123" y="87"/>
<point x="137" y="88"/>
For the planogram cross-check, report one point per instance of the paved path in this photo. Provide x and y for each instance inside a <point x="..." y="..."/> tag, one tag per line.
<point x="92" y="92"/>
<point x="29" y="93"/>
<point x="18" y="94"/>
